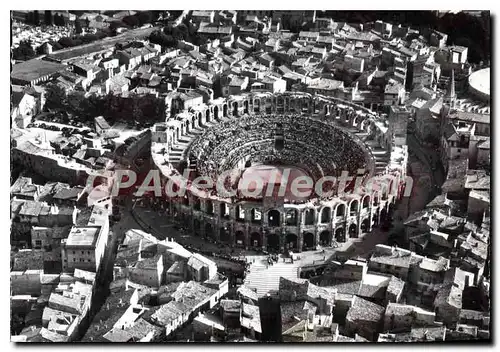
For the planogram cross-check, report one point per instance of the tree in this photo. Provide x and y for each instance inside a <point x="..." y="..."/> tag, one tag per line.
<point x="160" y="38"/>
<point x="48" y="18"/>
<point x="132" y="21"/>
<point x="55" y="97"/>
<point x="78" y="27"/>
<point x="144" y="17"/>
<point x="66" y="42"/>
<point x="36" y="18"/>
<point x="24" y="51"/>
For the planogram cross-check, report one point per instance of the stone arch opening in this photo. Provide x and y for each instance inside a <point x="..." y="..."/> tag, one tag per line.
<point x="200" y="119"/>
<point x="193" y="122"/>
<point x="256" y="216"/>
<point x="326" y="215"/>
<point x="308" y="241"/>
<point x="196" y="227"/>
<point x="256" y="106"/>
<point x="210" y="207"/>
<point x="340" y="210"/>
<point x="256" y="239"/>
<point x="235" y="109"/>
<point x="292" y="242"/>
<point x="209" y="231"/>
<point x="224" y="210"/>
<point x="197" y="204"/>
<point x="309" y="216"/>
<point x="207" y="115"/>
<point x="365" y="226"/>
<point x="325" y="238"/>
<point x="340" y="235"/>
<point x="216" y="112"/>
<point x="366" y="202"/>
<point x="224" y="234"/>
<point x="353" y="231"/>
<point x="224" y="110"/>
<point x="353" y="208"/>
<point x="273" y="242"/>
<point x="291" y="217"/>
<point x="240" y="213"/>
<point x="245" y="106"/>
<point x="383" y="214"/>
<point x="375" y="219"/>
<point x="239" y="238"/>
<point x="177" y="134"/>
<point x="273" y="218"/>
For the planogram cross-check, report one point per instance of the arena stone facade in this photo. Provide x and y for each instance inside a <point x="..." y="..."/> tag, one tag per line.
<point x="272" y="225"/>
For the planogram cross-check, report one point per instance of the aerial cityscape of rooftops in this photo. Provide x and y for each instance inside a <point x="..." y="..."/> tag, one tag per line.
<point x="250" y="176"/>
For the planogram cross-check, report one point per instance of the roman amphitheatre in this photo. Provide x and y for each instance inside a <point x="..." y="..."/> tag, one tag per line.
<point x="257" y="134"/>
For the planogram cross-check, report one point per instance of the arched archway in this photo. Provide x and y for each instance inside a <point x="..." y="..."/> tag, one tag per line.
<point x="196" y="227"/>
<point x="273" y="218"/>
<point x="224" y="210"/>
<point x="197" y="204"/>
<point x="200" y="119"/>
<point x="365" y="225"/>
<point x="193" y="121"/>
<point x="224" y="110"/>
<point x="245" y="107"/>
<point x="210" y="207"/>
<point x="256" y="106"/>
<point x="239" y="238"/>
<point x="235" y="109"/>
<point x="216" y="112"/>
<point x="340" y="210"/>
<point x="353" y="231"/>
<point x="224" y="234"/>
<point x="325" y="238"/>
<point x="240" y="213"/>
<point x="309" y="216"/>
<point x="375" y="219"/>
<point x="209" y="231"/>
<point x="340" y="235"/>
<point x="269" y="107"/>
<point x="308" y="241"/>
<point x="291" y="241"/>
<point x="326" y="215"/>
<point x="256" y="239"/>
<point x="273" y="242"/>
<point x="366" y="202"/>
<point x="291" y="217"/>
<point x="256" y="216"/>
<point x="207" y="115"/>
<point x="354" y="207"/>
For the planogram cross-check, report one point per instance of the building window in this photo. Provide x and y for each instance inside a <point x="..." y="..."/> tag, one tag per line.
<point x="459" y="150"/>
<point x="74" y="259"/>
<point x="89" y="252"/>
<point x="89" y="260"/>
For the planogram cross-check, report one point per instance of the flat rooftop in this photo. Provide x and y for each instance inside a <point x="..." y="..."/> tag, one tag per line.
<point x="33" y="69"/>
<point x="83" y="236"/>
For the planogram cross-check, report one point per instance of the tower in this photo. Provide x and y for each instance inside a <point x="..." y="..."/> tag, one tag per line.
<point x="451" y="95"/>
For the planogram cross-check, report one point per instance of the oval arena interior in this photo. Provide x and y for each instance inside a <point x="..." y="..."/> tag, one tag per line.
<point x="260" y="133"/>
